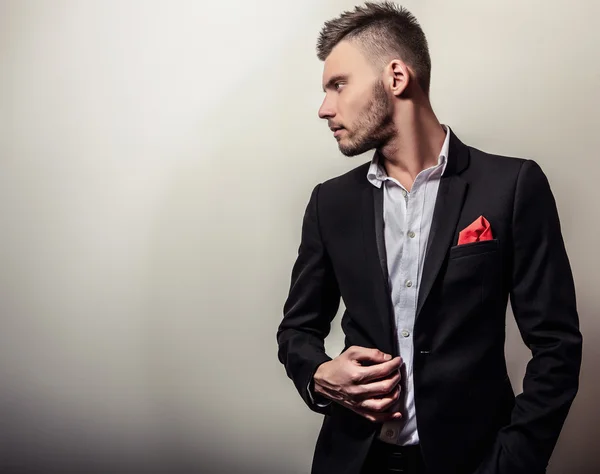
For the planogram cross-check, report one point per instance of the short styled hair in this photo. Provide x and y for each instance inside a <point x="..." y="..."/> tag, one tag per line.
<point x="384" y="31"/>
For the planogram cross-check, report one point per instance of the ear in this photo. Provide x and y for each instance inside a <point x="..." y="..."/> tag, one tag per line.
<point x="398" y="76"/>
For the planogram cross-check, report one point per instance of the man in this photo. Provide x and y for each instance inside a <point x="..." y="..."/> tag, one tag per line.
<point x="425" y="244"/>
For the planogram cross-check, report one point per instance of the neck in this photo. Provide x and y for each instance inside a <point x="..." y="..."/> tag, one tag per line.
<point x="416" y="144"/>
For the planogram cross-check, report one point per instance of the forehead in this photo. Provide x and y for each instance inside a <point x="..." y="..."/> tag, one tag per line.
<point x="346" y="58"/>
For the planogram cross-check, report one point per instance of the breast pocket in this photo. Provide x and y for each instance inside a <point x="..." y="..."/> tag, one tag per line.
<point x="472" y="274"/>
<point x="474" y="248"/>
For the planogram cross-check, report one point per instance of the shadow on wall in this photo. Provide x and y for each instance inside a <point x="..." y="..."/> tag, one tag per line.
<point x="194" y="416"/>
<point x="216" y="294"/>
<point x="577" y="448"/>
<point x="205" y="463"/>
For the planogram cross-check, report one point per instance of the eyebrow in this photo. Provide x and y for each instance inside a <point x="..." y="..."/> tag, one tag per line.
<point x="334" y="79"/>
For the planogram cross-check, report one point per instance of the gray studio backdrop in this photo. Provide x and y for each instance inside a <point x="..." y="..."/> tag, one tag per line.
<point x="155" y="161"/>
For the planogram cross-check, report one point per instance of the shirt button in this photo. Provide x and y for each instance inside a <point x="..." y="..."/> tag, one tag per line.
<point x="405" y="333"/>
<point x="411" y="234"/>
<point x="408" y="283"/>
<point x="403" y="193"/>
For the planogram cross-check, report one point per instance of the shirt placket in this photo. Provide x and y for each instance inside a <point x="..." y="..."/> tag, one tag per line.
<point x="410" y="274"/>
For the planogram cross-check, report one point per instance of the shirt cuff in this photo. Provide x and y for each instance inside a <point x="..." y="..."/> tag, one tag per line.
<point x="312" y="398"/>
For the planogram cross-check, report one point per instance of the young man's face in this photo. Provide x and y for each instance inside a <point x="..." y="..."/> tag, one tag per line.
<point x="357" y="106"/>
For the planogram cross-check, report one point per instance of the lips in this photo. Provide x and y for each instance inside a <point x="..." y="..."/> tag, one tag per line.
<point x="336" y="130"/>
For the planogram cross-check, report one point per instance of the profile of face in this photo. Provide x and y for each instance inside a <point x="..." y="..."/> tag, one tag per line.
<point x="357" y="106"/>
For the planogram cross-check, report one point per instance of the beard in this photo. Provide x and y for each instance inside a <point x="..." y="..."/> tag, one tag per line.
<point x="374" y="127"/>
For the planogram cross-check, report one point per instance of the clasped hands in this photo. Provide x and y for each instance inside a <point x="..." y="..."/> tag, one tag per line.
<point x="364" y="380"/>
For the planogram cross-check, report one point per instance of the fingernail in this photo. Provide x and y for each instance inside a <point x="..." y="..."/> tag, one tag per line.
<point x="387" y="357"/>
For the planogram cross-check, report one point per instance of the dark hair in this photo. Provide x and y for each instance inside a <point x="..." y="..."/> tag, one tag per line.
<point x="384" y="31"/>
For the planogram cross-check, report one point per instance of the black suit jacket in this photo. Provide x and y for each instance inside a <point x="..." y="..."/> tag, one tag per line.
<point x="468" y="418"/>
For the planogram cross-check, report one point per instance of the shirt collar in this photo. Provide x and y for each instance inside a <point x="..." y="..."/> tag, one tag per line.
<point x="376" y="173"/>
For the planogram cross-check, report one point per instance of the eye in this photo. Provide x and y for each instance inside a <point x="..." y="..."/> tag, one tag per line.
<point x="338" y="86"/>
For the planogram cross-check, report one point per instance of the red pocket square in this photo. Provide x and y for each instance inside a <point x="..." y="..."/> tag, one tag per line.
<point x="479" y="230"/>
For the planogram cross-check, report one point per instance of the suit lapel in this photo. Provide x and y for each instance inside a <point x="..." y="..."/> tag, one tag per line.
<point x="448" y="204"/>
<point x="376" y="263"/>
<point x="380" y="233"/>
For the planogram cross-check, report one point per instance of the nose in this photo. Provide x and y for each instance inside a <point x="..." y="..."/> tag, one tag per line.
<point x="326" y="110"/>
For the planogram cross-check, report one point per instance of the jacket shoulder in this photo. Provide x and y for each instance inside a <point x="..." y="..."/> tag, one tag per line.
<point x="341" y="192"/>
<point x="480" y="158"/>
<point x="493" y="169"/>
<point x="356" y="175"/>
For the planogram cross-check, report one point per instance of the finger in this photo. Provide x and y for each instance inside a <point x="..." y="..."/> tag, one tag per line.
<point x="383" y="418"/>
<point x="381" y="404"/>
<point x="378" y="417"/>
<point x="368" y="356"/>
<point x="378" y="388"/>
<point x="379" y="371"/>
<point x="382" y="387"/>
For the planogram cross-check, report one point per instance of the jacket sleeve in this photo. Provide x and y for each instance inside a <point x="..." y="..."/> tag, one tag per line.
<point x="311" y="305"/>
<point x="542" y="296"/>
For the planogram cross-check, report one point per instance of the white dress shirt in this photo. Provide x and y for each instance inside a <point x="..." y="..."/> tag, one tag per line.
<point x="407" y="221"/>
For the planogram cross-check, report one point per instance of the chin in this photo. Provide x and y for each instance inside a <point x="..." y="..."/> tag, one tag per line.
<point x="345" y="147"/>
<point x="350" y="150"/>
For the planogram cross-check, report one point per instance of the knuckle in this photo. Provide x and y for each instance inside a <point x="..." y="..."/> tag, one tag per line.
<point x="355" y="376"/>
